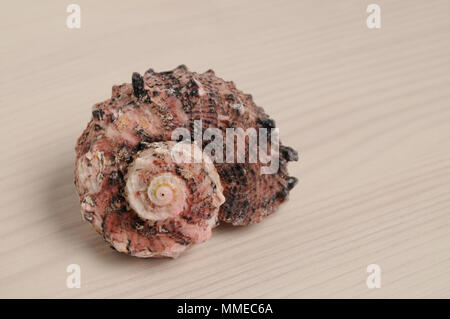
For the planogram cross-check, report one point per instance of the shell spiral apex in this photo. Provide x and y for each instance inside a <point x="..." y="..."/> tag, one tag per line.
<point x="152" y="195"/>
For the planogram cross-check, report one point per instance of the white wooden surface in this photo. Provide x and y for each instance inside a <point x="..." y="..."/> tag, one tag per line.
<point x="368" y="110"/>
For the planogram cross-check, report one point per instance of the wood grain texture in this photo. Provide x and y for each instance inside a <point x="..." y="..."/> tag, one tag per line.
<point x="368" y="110"/>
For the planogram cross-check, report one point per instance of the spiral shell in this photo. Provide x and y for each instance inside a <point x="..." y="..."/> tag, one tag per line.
<point x="139" y="197"/>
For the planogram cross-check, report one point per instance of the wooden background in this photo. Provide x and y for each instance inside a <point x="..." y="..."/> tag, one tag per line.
<point x="368" y="110"/>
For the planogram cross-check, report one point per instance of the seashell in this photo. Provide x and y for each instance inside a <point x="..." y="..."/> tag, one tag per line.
<point x="151" y="195"/>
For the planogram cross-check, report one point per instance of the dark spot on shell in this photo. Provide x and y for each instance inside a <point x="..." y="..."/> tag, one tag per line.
<point x="193" y="88"/>
<point x="123" y="155"/>
<point x="118" y="203"/>
<point x="282" y="194"/>
<point x="138" y="225"/>
<point x="240" y="170"/>
<point x="230" y="98"/>
<point x="288" y="153"/>
<point x="98" y="114"/>
<point x="267" y="123"/>
<point x="291" y="182"/>
<point x="150" y="70"/>
<point x="138" y="84"/>
<point x="89" y="216"/>
<point x="244" y="209"/>
<point x="147" y="99"/>
<point x="191" y="84"/>
<point x="182" y="66"/>
<point x="114" y="178"/>
<point x="142" y="146"/>
<point x="166" y="72"/>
